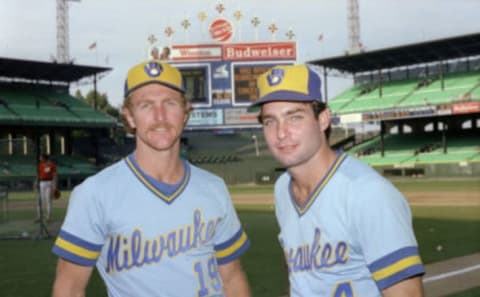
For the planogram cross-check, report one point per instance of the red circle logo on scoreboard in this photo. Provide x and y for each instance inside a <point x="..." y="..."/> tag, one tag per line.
<point x="221" y="30"/>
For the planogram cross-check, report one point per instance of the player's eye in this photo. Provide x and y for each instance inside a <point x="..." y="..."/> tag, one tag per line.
<point x="172" y="102"/>
<point x="144" y="105"/>
<point x="295" y="118"/>
<point x="267" y="122"/>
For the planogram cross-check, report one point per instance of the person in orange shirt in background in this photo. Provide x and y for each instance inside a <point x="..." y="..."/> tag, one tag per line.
<point x="47" y="183"/>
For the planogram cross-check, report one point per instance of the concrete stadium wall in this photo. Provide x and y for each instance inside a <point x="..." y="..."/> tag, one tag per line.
<point x="470" y="169"/>
<point x="456" y="169"/>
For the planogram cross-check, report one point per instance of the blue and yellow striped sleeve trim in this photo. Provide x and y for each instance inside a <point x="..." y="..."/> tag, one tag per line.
<point x="233" y="248"/>
<point x="397" y="266"/>
<point x="75" y="249"/>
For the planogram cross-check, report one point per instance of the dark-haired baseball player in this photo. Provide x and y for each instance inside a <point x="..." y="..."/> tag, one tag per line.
<point x="345" y="230"/>
<point x="153" y="224"/>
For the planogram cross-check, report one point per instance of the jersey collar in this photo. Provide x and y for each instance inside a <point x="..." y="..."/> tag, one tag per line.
<point x="166" y="192"/>
<point x="302" y="208"/>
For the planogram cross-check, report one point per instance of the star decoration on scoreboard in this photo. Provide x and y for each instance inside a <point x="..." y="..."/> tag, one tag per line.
<point x="152" y="39"/>
<point x="169" y="31"/>
<point x="290" y="35"/>
<point x="255" y="22"/>
<point x="220" y="8"/>
<point x="273" y="28"/>
<point x="185" y="24"/>
<point x="238" y="15"/>
<point x="202" y="16"/>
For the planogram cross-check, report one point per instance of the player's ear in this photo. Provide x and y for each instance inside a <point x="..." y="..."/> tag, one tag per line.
<point x="128" y="117"/>
<point x="188" y="109"/>
<point x="324" y="119"/>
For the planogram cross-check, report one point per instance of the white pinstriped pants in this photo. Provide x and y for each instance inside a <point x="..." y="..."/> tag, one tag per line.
<point x="46" y="189"/>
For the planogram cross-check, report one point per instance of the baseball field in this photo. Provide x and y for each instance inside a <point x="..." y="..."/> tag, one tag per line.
<point x="446" y="222"/>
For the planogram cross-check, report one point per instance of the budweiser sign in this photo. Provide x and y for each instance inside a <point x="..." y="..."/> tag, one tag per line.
<point x="260" y="51"/>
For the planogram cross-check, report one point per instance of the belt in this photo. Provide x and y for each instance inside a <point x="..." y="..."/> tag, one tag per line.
<point x="46" y="179"/>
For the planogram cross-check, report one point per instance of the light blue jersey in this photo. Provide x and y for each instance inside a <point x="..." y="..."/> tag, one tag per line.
<point x="151" y="239"/>
<point x="353" y="237"/>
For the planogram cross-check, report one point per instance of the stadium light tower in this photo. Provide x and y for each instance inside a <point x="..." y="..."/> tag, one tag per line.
<point x="353" y="27"/>
<point x="63" y="49"/>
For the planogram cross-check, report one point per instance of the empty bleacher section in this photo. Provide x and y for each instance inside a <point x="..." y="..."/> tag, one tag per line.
<point x="238" y="157"/>
<point x="421" y="101"/>
<point x="416" y="151"/>
<point x="38" y="115"/>
<point x="28" y="104"/>
<point x="419" y="92"/>
<point x="372" y="97"/>
<point x="457" y="87"/>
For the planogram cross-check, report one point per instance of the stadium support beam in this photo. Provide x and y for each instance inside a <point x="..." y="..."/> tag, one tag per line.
<point x="382" y="142"/>
<point x="325" y="88"/>
<point x="95" y="91"/>
<point x="442" y="80"/>
<point x="380" y="83"/>
<point x="444" y="137"/>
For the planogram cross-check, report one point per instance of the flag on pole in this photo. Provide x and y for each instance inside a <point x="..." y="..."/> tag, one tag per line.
<point x="92" y="46"/>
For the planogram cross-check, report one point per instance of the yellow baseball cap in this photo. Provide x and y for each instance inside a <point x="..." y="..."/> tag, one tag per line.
<point x="288" y="83"/>
<point x="153" y="71"/>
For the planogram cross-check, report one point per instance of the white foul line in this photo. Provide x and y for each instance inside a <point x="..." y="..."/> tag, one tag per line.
<point x="451" y="273"/>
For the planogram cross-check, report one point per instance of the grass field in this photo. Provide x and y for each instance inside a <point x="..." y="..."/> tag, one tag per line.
<point x="27" y="266"/>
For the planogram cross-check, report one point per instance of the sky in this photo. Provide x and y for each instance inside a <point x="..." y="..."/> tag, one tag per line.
<point x="120" y="29"/>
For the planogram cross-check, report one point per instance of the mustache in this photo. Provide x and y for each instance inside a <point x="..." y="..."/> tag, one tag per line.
<point x="160" y="126"/>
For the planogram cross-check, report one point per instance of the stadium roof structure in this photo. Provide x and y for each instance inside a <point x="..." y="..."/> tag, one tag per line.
<point x="53" y="72"/>
<point x="38" y="104"/>
<point x="406" y="55"/>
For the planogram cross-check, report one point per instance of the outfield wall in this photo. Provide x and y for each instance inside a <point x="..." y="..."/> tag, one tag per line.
<point x="467" y="169"/>
<point x="258" y="170"/>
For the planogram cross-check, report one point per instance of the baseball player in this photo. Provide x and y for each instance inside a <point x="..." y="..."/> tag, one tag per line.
<point x="345" y="230"/>
<point x="46" y="182"/>
<point x="153" y="224"/>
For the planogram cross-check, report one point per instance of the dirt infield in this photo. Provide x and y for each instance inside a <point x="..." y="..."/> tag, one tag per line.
<point x="414" y="198"/>
<point x="443" y="198"/>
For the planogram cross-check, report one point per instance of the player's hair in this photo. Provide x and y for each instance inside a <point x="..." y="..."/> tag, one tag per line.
<point x="317" y="108"/>
<point x="127" y="104"/>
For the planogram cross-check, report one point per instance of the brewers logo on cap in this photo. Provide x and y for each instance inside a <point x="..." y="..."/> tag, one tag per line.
<point x="153" y="69"/>
<point x="153" y="72"/>
<point x="288" y="83"/>
<point x="275" y="76"/>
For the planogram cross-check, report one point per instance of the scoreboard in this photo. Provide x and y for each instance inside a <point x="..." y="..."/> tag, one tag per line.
<point x="220" y="79"/>
<point x="244" y="81"/>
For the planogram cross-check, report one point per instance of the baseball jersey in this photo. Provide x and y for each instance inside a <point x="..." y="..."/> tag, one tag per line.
<point x="148" y="238"/>
<point x="46" y="170"/>
<point x="353" y="236"/>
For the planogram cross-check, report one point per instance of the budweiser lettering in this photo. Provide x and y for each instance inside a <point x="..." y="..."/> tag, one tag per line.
<point x="256" y="51"/>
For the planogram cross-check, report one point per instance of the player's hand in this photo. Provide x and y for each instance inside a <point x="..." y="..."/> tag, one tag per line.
<point x="56" y="194"/>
